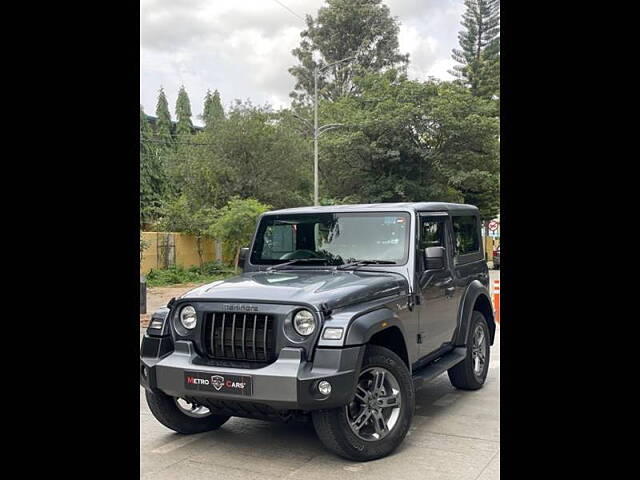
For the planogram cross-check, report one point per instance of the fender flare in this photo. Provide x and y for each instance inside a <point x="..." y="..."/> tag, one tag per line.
<point x="474" y="292"/>
<point x="366" y="325"/>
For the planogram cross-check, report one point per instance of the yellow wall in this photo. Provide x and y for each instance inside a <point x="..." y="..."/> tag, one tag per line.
<point x="186" y="251"/>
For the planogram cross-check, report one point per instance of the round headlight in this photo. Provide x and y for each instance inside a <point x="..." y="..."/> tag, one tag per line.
<point x="304" y="322"/>
<point x="188" y="317"/>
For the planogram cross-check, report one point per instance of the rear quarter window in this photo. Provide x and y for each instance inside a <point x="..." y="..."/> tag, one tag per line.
<point x="466" y="234"/>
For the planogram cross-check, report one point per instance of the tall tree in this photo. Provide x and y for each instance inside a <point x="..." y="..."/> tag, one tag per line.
<point x="213" y="112"/>
<point x="183" y="113"/>
<point x="152" y="175"/>
<point x="479" y="54"/>
<point x="163" y="117"/>
<point x="412" y="141"/>
<point x="342" y="29"/>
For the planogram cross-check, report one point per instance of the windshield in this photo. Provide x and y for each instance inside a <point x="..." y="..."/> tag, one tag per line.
<point x="332" y="238"/>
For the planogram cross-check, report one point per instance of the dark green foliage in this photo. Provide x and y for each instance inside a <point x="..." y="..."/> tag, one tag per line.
<point x="236" y="222"/>
<point x="184" y="125"/>
<point x="479" y="54"/>
<point x="213" y="113"/>
<point x="253" y="153"/>
<point x="153" y="180"/>
<point x="412" y="141"/>
<point x="401" y="140"/>
<point x="163" y="122"/>
<point x="208" y="272"/>
<point x="344" y="28"/>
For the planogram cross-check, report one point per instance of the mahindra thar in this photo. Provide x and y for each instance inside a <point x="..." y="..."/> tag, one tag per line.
<point x="340" y="314"/>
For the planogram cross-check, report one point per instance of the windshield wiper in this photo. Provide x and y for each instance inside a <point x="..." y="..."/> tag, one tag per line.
<point x="295" y="260"/>
<point x="362" y="263"/>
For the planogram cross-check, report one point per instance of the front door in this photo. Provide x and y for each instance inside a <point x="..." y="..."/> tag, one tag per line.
<point x="438" y="312"/>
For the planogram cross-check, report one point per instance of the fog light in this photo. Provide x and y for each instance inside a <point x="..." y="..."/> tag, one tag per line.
<point x="145" y="373"/>
<point x="324" y="387"/>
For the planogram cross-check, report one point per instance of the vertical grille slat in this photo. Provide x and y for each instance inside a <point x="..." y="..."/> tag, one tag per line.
<point x="253" y="341"/>
<point x="233" y="336"/>
<point x="244" y="324"/>
<point x="264" y="338"/>
<point x="222" y="336"/>
<point x="213" y="335"/>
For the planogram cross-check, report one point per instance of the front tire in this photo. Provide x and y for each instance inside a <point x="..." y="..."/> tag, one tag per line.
<point x="376" y="421"/>
<point x="471" y="373"/>
<point x="170" y="412"/>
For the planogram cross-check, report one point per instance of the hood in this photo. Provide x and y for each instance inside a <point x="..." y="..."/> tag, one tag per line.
<point x="334" y="288"/>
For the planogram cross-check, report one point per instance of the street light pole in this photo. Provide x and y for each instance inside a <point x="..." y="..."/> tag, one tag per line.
<point x="315" y="137"/>
<point x="319" y="131"/>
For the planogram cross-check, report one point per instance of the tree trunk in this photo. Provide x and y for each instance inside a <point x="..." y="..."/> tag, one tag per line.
<point x="237" y="259"/>
<point x="199" y="246"/>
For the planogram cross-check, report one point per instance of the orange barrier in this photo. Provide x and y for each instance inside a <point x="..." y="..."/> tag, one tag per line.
<point x="496" y="300"/>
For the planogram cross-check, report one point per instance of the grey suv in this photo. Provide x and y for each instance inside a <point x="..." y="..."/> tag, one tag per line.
<point x="340" y="314"/>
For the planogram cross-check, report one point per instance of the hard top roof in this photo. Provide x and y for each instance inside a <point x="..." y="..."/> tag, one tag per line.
<point x="384" y="207"/>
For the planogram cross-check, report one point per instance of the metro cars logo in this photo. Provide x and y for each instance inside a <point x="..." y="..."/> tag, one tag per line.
<point x="235" y="384"/>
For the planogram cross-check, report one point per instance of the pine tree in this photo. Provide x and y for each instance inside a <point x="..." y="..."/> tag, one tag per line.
<point x="152" y="175"/>
<point x="213" y="113"/>
<point x="183" y="113"/>
<point x="163" y="118"/>
<point x="479" y="54"/>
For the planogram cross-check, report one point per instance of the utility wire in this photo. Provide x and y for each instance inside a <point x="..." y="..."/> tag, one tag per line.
<point x="290" y="11"/>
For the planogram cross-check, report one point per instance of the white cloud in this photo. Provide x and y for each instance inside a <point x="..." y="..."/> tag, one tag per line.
<point x="243" y="49"/>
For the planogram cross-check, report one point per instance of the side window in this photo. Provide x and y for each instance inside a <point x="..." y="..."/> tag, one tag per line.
<point x="465" y="229"/>
<point x="278" y="241"/>
<point x="432" y="232"/>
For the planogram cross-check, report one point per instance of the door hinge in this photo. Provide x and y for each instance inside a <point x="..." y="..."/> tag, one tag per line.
<point x="419" y="338"/>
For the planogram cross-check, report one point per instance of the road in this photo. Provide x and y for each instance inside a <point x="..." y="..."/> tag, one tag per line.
<point x="454" y="435"/>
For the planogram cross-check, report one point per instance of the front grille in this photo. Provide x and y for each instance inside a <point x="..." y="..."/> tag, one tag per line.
<point x="239" y="336"/>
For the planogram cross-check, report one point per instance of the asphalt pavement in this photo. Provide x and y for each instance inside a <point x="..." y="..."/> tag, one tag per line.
<point x="455" y="435"/>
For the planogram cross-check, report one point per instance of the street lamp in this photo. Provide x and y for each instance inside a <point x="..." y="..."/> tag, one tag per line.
<point x="324" y="128"/>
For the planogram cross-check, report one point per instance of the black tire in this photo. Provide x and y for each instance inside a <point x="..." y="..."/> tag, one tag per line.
<point x="332" y="425"/>
<point x="462" y="375"/>
<point x="164" y="408"/>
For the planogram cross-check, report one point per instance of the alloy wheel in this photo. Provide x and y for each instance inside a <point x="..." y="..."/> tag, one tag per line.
<point x="375" y="409"/>
<point x="479" y="351"/>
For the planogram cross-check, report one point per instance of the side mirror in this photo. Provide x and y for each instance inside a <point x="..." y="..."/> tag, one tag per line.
<point x="434" y="258"/>
<point x="242" y="258"/>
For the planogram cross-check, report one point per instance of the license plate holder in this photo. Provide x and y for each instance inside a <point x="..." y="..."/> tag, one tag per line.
<point x="218" y="383"/>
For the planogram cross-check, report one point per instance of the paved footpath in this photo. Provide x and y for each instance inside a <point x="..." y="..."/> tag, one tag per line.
<point x="454" y="435"/>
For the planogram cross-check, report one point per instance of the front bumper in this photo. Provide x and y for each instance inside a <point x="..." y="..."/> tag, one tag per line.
<point x="288" y="383"/>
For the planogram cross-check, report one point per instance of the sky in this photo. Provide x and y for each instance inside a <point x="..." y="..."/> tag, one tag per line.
<point x="243" y="48"/>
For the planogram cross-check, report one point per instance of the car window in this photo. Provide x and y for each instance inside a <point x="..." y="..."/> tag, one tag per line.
<point x="278" y="240"/>
<point x="336" y="238"/>
<point x="465" y="229"/>
<point x="432" y="232"/>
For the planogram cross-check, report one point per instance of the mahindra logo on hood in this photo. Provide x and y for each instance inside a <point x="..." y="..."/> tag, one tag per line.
<point x="229" y="307"/>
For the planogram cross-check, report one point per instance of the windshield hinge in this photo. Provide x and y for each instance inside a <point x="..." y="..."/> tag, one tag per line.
<point x="326" y="311"/>
<point x="410" y="301"/>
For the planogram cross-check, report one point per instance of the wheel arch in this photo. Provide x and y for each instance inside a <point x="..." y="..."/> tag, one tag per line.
<point x="379" y="327"/>
<point x="476" y="297"/>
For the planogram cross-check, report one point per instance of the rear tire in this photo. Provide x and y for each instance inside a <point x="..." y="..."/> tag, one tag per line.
<point x="333" y="425"/>
<point x="466" y="375"/>
<point x="166" y="411"/>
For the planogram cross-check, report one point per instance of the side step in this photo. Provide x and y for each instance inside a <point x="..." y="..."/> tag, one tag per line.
<point x="439" y="366"/>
